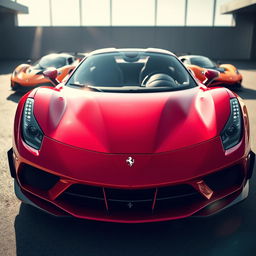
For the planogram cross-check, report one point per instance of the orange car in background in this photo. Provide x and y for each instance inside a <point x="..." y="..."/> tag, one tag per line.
<point x="27" y="76"/>
<point x="229" y="74"/>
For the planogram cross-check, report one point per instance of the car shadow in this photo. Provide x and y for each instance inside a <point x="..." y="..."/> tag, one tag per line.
<point x="246" y="93"/>
<point x="231" y="232"/>
<point x="8" y="66"/>
<point x="16" y="96"/>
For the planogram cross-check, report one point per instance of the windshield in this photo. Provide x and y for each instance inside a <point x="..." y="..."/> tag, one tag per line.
<point x="203" y="62"/>
<point x="131" y="71"/>
<point x="51" y="60"/>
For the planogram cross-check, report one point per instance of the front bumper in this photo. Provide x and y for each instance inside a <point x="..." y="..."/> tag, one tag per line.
<point x="120" y="201"/>
<point x="30" y="83"/>
<point x="228" y="80"/>
<point x="212" y="208"/>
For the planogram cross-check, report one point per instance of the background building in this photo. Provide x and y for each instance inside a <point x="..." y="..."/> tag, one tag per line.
<point x="221" y="29"/>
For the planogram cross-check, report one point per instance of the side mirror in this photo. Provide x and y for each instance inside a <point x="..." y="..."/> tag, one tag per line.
<point x="210" y="75"/>
<point x="29" y="61"/>
<point x="52" y="74"/>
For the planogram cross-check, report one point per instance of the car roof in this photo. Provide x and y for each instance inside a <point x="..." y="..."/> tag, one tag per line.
<point x="192" y="56"/>
<point x="65" y="55"/>
<point x="109" y="50"/>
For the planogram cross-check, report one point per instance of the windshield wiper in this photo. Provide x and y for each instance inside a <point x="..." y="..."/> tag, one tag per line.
<point x="94" y="88"/>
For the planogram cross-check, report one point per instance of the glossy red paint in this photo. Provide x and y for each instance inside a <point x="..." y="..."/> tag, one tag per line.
<point x="173" y="137"/>
<point x="79" y="163"/>
<point x="51" y="73"/>
<point x="210" y="75"/>
<point x="106" y="122"/>
<point x="172" y="167"/>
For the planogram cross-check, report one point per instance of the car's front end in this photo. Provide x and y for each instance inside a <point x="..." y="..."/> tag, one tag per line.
<point x="223" y="180"/>
<point x="131" y="157"/>
<point x="25" y="77"/>
<point x="229" y="77"/>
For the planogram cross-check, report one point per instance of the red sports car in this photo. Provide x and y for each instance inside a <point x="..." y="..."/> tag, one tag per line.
<point x="131" y="137"/>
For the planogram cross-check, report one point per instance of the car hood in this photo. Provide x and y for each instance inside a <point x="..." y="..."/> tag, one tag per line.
<point x="131" y="122"/>
<point x="26" y="71"/>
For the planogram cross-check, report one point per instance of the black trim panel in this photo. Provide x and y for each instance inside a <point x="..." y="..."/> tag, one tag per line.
<point x="11" y="164"/>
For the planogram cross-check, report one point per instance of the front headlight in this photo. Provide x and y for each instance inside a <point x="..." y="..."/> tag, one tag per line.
<point x="31" y="132"/>
<point x="232" y="132"/>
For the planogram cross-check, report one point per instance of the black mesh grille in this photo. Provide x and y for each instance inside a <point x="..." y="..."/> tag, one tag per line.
<point x="130" y="206"/>
<point x="83" y="201"/>
<point x="175" y="191"/>
<point x="174" y="197"/>
<point x="80" y="190"/>
<point x="174" y="203"/>
<point x="127" y="200"/>
<point x="37" y="178"/>
<point x="129" y="194"/>
<point x="141" y="202"/>
<point x="226" y="178"/>
<point x="84" y="196"/>
<point x="130" y="200"/>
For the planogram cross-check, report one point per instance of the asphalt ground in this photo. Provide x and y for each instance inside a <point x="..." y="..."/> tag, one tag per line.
<point x="25" y="230"/>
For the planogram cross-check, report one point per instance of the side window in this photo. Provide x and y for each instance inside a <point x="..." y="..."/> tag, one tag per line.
<point x="70" y="60"/>
<point x="185" y="61"/>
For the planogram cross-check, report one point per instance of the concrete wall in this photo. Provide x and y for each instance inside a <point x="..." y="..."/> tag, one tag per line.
<point x="253" y="47"/>
<point x="7" y="20"/>
<point x="248" y="21"/>
<point x="216" y="42"/>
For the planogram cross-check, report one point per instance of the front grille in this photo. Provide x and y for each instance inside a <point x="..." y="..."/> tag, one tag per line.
<point x="227" y="178"/>
<point x="119" y="207"/>
<point x="84" y="196"/>
<point x="80" y="190"/>
<point x="127" y="200"/>
<point x="175" y="203"/>
<point x="36" y="178"/>
<point x="175" y="191"/>
<point x="83" y="201"/>
<point x="148" y="201"/>
<point x="136" y="200"/>
<point x="129" y="194"/>
<point x="174" y="197"/>
<point x="133" y="202"/>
